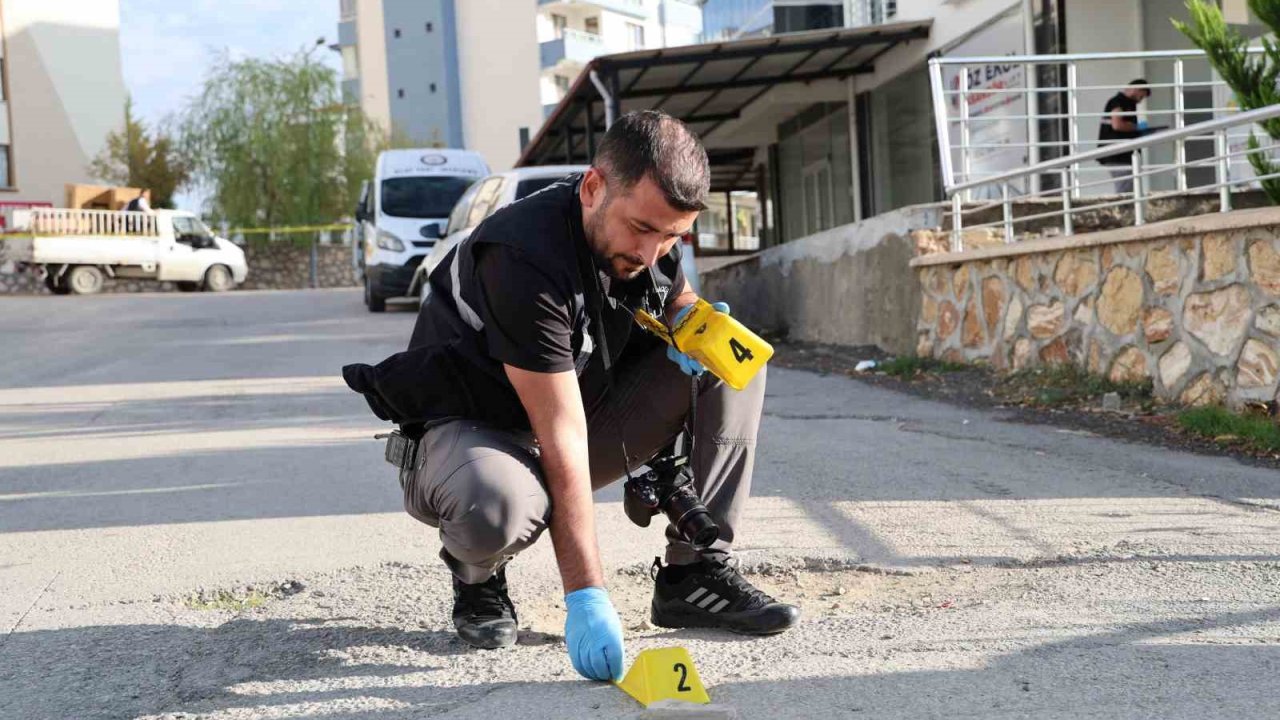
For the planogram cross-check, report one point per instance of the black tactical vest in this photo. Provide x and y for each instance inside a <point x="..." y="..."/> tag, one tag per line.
<point x="448" y="373"/>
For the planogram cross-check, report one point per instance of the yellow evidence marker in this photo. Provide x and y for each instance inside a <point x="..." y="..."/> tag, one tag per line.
<point x="664" y="673"/>
<point x="722" y="344"/>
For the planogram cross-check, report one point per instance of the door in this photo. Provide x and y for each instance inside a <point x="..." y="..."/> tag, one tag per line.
<point x="186" y="258"/>
<point x="818" y="200"/>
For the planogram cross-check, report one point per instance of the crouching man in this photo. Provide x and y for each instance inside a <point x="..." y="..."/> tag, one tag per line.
<point x="527" y="376"/>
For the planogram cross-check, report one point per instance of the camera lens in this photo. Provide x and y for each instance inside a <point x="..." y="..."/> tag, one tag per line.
<point x="691" y="518"/>
<point x="700" y="529"/>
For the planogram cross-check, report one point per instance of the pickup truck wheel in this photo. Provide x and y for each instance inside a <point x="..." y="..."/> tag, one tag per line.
<point x="218" y="279"/>
<point x="375" y="302"/>
<point x="85" y="280"/>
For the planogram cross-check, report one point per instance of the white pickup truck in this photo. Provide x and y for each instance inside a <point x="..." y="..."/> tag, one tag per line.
<point x="76" y="250"/>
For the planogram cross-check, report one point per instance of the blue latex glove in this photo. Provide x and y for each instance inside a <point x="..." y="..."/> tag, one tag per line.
<point x="593" y="634"/>
<point x="1143" y="125"/>
<point x="688" y="365"/>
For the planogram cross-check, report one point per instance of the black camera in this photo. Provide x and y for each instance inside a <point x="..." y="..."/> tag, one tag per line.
<point x="668" y="488"/>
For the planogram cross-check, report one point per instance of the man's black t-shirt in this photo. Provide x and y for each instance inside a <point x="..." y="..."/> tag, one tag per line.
<point x="1129" y="109"/>
<point x="538" y="297"/>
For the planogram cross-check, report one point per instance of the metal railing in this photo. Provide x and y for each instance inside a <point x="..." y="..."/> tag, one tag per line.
<point x="1009" y="186"/>
<point x="999" y="112"/>
<point x="62" y="221"/>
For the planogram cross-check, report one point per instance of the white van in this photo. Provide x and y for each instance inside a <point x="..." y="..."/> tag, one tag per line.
<point x="403" y="212"/>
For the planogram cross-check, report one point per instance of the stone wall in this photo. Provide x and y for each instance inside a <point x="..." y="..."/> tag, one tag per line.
<point x="285" y="266"/>
<point x="851" y="285"/>
<point x="1191" y="304"/>
<point x="276" y="266"/>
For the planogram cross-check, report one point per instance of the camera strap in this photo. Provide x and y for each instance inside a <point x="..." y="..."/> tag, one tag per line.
<point x="658" y="311"/>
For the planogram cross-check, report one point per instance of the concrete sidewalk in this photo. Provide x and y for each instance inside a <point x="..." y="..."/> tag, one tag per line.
<point x="949" y="564"/>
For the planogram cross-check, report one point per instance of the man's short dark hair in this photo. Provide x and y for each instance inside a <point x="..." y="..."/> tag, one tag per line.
<point x="655" y="144"/>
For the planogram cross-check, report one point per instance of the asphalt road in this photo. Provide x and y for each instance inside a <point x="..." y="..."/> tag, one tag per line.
<point x="168" y="461"/>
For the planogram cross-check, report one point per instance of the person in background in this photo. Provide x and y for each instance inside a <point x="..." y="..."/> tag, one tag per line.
<point x="1119" y="124"/>
<point x="140" y="203"/>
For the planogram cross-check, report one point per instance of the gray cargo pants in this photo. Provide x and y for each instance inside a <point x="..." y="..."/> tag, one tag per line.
<point x="483" y="487"/>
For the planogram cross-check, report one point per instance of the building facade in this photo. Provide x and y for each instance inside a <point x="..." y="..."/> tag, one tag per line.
<point x="61" y="93"/>
<point x="431" y="72"/>
<point x="573" y="32"/>
<point x="845" y="135"/>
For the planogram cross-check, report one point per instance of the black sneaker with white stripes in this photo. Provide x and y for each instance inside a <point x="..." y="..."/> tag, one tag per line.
<point x="713" y="594"/>
<point x="483" y="613"/>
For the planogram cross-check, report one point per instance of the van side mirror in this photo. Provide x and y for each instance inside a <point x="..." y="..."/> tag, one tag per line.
<point x="433" y="231"/>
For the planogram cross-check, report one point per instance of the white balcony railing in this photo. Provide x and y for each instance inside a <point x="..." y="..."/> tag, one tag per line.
<point x="1229" y="167"/>
<point x="573" y="46"/>
<point x="995" y="114"/>
<point x="634" y="8"/>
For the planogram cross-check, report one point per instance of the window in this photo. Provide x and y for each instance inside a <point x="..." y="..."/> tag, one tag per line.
<point x="592" y="25"/>
<point x="635" y="36"/>
<point x="400" y="92"/>
<point x="486" y="201"/>
<point x="425" y="196"/>
<point x="190" y="231"/>
<point x="433" y="87"/>
<point x="397" y="32"/>
<point x="533" y="185"/>
<point x="5" y="177"/>
<point x="562" y="85"/>
<point x="558" y="24"/>
<point x="350" y="63"/>
<point x="2" y="94"/>
<point x="458" y="218"/>
<point x="430" y="27"/>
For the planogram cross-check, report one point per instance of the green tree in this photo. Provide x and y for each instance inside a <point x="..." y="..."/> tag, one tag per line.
<point x="1251" y="76"/>
<point x="272" y="143"/>
<point x="137" y="157"/>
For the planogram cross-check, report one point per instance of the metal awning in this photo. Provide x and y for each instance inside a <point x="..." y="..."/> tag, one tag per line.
<point x="708" y="87"/>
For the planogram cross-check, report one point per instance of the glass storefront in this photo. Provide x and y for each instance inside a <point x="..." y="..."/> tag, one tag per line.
<point x="900" y="159"/>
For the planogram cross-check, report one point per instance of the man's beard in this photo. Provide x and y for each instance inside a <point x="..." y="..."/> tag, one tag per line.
<point x="619" y="266"/>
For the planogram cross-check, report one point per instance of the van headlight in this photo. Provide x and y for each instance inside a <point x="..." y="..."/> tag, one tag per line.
<point x="387" y="241"/>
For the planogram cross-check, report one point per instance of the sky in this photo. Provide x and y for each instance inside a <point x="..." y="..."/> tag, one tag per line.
<point x="166" y="46"/>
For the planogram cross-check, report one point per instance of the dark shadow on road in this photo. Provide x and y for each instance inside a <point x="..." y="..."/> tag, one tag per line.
<point x="1140" y="670"/>
<point x="336" y="478"/>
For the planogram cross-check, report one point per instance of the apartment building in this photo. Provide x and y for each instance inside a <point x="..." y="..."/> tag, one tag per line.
<point x="61" y="93"/>
<point x="446" y="73"/>
<point x="571" y="33"/>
